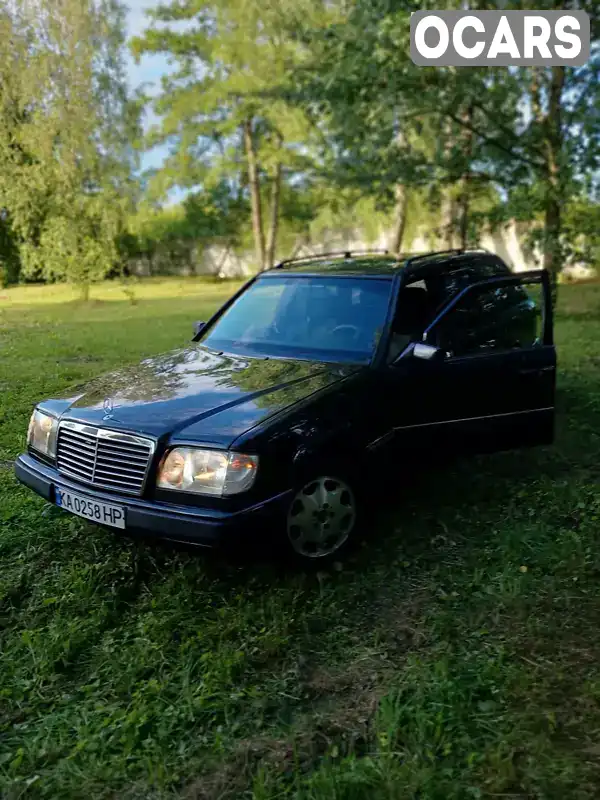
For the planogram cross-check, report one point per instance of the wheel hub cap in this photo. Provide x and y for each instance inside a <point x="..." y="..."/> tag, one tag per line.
<point x="321" y="517"/>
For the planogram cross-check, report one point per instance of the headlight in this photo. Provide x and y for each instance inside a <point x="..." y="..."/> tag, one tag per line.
<point x="41" y="435"/>
<point x="189" y="469"/>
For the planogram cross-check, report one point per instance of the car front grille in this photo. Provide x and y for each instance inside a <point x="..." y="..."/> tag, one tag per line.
<point x="104" y="458"/>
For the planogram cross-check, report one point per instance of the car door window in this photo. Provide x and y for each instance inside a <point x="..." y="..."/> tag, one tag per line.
<point x="489" y="319"/>
<point x="414" y="311"/>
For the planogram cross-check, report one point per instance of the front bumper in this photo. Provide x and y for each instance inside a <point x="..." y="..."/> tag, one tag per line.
<point x="205" y="527"/>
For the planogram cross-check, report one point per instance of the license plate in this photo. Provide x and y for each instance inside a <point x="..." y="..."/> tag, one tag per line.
<point x="101" y="513"/>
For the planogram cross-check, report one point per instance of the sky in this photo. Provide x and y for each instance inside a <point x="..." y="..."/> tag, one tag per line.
<point x="149" y="70"/>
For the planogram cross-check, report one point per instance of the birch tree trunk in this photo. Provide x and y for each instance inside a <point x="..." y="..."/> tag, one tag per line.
<point x="273" y="227"/>
<point x="448" y="212"/>
<point x="448" y="207"/>
<point x="465" y="189"/>
<point x="255" y="202"/>
<point x="400" y="218"/>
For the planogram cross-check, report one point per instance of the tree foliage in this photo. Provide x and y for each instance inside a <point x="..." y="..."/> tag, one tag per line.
<point x="219" y="109"/>
<point x="530" y="135"/>
<point x="67" y="131"/>
<point x="285" y="124"/>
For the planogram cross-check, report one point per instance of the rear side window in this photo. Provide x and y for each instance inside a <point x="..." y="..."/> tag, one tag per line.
<point x="457" y="280"/>
<point x="444" y="285"/>
<point x="489" y="266"/>
<point x="476" y="269"/>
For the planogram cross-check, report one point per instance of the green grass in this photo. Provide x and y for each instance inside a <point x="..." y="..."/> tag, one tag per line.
<point x="455" y="655"/>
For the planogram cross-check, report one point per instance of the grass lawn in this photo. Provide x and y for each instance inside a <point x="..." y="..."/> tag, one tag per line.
<point x="455" y="655"/>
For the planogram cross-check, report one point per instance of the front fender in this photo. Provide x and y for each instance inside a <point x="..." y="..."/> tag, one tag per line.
<point x="332" y="456"/>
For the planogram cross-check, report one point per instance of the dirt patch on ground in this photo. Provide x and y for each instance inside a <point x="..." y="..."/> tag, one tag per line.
<point x="339" y="708"/>
<point x="342" y="730"/>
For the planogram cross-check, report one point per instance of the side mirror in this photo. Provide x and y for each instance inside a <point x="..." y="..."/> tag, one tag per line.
<point x="427" y="352"/>
<point x="198" y="328"/>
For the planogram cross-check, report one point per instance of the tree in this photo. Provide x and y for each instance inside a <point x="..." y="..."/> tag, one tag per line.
<point x="65" y="128"/>
<point x="392" y="127"/>
<point x="10" y="265"/>
<point x="218" y="109"/>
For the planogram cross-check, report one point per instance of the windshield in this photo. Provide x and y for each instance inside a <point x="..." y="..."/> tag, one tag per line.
<point x="321" y="319"/>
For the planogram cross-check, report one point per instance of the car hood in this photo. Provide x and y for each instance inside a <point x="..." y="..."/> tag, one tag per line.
<point x="194" y="393"/>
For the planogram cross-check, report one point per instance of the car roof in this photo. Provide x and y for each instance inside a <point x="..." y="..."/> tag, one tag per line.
<point x="370" y="264"/>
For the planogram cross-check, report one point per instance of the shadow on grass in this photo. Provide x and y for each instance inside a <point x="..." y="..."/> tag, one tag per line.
<point x="433" y="494"/>
<point x="405" y="513"/>
<point x="460" y="504"/>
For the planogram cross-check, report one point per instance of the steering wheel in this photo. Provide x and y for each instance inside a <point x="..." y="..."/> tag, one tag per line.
<point x="355" y="330"/>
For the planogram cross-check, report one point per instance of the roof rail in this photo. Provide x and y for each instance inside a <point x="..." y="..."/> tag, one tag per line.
<point x="456" y="251"/>
<point x="334" y="254"/>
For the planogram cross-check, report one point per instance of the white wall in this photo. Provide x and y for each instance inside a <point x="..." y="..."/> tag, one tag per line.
<point x="507" y="243"/>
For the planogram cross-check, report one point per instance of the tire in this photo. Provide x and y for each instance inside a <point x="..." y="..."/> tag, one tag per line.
<point x="321" y="518"/>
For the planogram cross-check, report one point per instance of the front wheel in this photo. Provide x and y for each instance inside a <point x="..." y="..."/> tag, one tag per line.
<point x="321" y="517"/>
